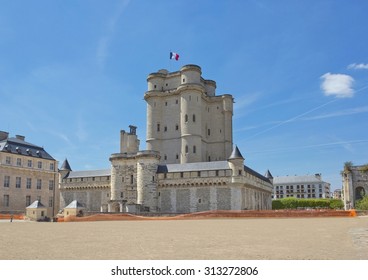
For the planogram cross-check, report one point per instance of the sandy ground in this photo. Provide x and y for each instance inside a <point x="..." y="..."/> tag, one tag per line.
<point x="241" y="238"/>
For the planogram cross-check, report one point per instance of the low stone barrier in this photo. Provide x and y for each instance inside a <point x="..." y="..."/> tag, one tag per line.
<point x="216" y="214"/>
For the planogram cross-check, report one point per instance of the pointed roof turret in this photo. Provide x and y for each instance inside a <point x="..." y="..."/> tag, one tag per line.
<point x="236" y="153"/>
<point x="268" y="174"/>
<point x="65" y="166"/>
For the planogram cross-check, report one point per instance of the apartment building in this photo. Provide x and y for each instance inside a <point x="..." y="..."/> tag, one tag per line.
<point x="304" y="186"/>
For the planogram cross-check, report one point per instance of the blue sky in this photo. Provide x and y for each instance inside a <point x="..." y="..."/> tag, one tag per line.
<point x="73" y="74"/>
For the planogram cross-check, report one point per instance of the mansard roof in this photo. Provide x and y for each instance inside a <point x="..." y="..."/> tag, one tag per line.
<point x="20" y="147"/>
<point x="296" y="179"/>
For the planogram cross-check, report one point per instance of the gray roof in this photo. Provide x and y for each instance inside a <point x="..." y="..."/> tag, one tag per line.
<point x="204" y="166"/>
<point x="75" y="204"/>
<point x="296" y="179"/>
<point x="268" y="174"/>
<point x="195" y="166"/>
<point x="89" y="173"/>
<point x="236" y="153"/>
<point x="36" y="204"/>
<point x="65" y="165"/>
<point x="21" y="147"/>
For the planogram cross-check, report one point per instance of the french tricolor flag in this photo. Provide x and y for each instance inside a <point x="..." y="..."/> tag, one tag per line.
<point x="174" y="56"/>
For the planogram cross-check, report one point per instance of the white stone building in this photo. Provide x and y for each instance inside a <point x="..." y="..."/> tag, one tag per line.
<point x="304" y="186"/>
<point x="190" y="164"/>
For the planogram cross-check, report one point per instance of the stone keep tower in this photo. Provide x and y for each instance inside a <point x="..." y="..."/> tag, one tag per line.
<point x="186" y="121"/>
<point x="133" y="176"/>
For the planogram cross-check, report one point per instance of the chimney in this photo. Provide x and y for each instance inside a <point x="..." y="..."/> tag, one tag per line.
<point x="20" y="137"/>
<point x="318" y="176"/>
<point x="3" y="135"/>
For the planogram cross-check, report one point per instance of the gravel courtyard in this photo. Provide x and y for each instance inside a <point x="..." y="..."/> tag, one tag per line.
<point x="240" y="238"/>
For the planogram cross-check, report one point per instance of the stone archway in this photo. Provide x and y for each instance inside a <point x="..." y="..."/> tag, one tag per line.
<point x="115" y="207"/>
<point x="359" y="193"/>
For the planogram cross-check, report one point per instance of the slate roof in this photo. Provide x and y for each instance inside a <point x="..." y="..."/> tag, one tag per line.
<point x="89" y="173"/>
<point x="204" y="166"/>
<point x="75" y="204"/>
<point x="21" y="147"/>
<point x="194" y="166"/>
<point x="65" y="165"/>
<point x="36" y="204"/>
<point x="296" y="179"/>
<point x="236" y="153"/>
<point x="268" y="174"/>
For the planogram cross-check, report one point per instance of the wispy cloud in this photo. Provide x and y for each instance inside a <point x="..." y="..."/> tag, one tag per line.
<point x="346" y="112"/>
<point x="358" y="66"/>
<point x="242" y="102"/>
<point x="338" y="85"/>
<point x="347" y="145"/>
<point x="105" y="40"/>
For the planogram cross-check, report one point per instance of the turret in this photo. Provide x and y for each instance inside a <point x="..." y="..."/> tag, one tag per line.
<point x="64" y="169"/>
<point x="147" y="194"/>
<point x="236" y="162"/>
<point x="269" y="176"/>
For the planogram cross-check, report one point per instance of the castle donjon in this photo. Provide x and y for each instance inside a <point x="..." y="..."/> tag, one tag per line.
<point x="189" y="165"/>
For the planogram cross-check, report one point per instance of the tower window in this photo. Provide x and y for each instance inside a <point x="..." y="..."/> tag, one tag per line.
<point x="176" y="127"/>
<point x="154" y="86"/>
<point x="165" y="128"/>
<point x="165" y="157"/>
<point x="131" y="179"/>
<point x="177" y="156"/>
<point x="194" y="118"/>
<point x="208" y="132"/>
<point x="165" y="103"/>
<point x="194" y="149"/>
<point x="186" y="149"/>
<point x="176" y="101"/>
<point x="186" y="118"/>
<point x="183" y="80"/>
<point x="158" y="127"/>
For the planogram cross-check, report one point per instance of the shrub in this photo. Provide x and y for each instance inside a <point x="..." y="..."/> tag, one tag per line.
<point x="294" y="203"/>
<point x="362" y="204"/>
<point x="336" y="204"/>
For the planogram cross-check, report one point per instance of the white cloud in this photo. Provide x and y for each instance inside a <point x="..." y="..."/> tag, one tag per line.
<point x="338" y="85"/>
<point x="358" y="66"/>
